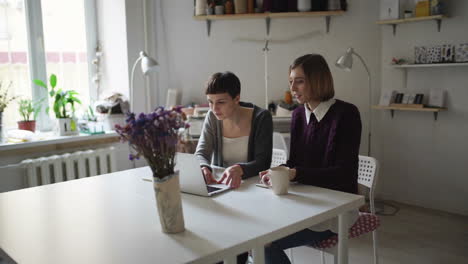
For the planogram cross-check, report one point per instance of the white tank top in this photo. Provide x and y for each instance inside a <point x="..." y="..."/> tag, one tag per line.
<point x="235" y="150"/>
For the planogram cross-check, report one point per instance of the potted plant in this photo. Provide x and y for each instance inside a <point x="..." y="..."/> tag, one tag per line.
<point x="63" y="106"/>
<point x="5" y="99"/>
<point x="155" y="137"/>
<point x="27" y="108"/>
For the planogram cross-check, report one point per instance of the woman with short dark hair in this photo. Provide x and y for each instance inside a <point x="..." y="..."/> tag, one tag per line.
<point x="235" y="135"/>
<point x="325" y="139"/>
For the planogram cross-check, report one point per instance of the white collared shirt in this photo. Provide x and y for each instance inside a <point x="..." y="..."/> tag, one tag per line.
<point x="320" y="111"/>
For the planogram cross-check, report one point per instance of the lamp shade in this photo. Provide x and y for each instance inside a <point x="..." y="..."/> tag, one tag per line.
<point x="345" y="62"/>
<point x="148" y="64"/>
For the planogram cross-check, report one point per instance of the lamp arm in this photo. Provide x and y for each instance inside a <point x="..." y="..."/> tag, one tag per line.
<point x="370" y="102"/>
<point x="131" y="82"/>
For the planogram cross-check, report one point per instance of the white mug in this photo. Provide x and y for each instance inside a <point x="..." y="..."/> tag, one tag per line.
<point x="279" y="179"/>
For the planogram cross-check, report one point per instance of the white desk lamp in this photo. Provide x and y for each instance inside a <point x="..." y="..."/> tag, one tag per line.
<point x="148" y="64"/>
<point x="345" y="62"/>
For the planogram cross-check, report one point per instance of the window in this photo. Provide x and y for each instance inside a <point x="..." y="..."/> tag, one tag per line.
<point x="14" y="67"/>
<point x="69" y="36"/>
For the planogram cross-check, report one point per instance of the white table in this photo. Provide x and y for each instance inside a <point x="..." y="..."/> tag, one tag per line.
<point x="113" y="219"/>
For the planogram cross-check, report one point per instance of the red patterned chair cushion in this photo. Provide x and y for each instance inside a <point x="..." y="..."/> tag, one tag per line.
<point x="366" y="223"/>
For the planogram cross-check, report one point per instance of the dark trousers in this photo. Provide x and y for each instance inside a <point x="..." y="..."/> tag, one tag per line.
<point x="274" y="253"/>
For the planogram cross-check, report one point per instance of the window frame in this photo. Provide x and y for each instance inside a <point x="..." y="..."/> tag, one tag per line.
<point x="36" y="53"/>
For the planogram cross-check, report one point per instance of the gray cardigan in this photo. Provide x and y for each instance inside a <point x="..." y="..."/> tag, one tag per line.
<point x="210" y="145"/>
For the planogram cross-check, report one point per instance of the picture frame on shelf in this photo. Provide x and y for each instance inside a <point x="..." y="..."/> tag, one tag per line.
<point x="436" y="98"/>
<point x="405" y="99"/>
<point x="387" y="97"/>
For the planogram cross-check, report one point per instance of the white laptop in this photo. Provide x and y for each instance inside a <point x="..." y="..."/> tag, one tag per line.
<point x="191" y="176"/>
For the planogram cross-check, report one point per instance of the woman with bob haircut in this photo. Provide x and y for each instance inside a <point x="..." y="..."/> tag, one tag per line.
<point x="325" y="139"/>
<point x="235" y="135"/>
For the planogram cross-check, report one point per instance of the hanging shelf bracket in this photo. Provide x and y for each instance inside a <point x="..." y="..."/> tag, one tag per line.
<point x="267" y="24"/>
<point x="327" y="23"/>
<point x="394" y="29"/>
<point x="392" y="112"/>
<point x="439" y="24"/>
<point x="208" y="27"/>
<point x="435" y="115"/>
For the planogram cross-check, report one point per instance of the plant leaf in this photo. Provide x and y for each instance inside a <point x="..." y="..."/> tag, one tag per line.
<point x="53" y="80"/>
<point x="40" y="83"/>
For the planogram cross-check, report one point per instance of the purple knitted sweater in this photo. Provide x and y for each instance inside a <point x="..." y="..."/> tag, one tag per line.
<point x="325" y="153"/>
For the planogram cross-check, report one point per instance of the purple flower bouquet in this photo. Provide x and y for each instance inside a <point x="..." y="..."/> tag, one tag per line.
<point x="154" y="136"/>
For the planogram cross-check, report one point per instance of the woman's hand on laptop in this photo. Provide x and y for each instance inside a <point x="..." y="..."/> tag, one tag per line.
<point x="233" y="176"/>
<point x="208" y="175"/>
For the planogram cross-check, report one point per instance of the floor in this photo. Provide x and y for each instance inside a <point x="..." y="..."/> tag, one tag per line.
<point x="412" y="235"/>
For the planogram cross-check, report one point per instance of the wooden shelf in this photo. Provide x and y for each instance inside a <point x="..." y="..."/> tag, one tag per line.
<point x="271" y="15"/>
<point x="434" y="110"/>
<point x="395" y="22"/>
<point x="410" y="20"/>
<point x="268" y="16"/>
<point x="462" y="64"/>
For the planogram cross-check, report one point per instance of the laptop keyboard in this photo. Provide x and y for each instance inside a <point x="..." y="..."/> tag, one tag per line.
<point x="212" y="189"/>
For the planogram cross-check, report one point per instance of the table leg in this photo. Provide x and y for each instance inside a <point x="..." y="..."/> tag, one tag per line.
<point x="258" y="254"/>
<point x="343" y="238"/>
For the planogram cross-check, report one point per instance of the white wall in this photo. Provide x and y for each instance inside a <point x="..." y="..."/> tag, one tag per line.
<point x="424" y="162"/>
<point x="112" y="29"/>
<point x="188" y="56"/>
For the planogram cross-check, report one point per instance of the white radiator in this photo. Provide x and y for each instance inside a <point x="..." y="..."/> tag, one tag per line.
<point x="69" y="166"/>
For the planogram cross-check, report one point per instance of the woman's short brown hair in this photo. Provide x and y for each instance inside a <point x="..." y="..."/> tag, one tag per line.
<point x="318" y="76"/>
<point x="223" y="82"/>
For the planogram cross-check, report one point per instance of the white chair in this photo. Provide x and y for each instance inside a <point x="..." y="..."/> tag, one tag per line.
<point x="279" y="142"/>
<point x="367" y="222"/>
<point x="279" y="157"/>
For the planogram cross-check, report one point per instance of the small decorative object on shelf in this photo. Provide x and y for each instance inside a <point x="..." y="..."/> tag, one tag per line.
<point x="408" y="14"/>
<point x="292" y="5"/>
<point x="267" y="4"/>
<point x="447" y="53"/>
<point x="240" y="6"/>
<point x="396" y="61"/>
<point x="433" y="54"/>
<point x="334" y="5"/>
<point x="210" y="7"/>
<point x="219" y="10"/>
<point x="259" y="6"/>
<point x="422" y="8"/>
<point x="387" y="97"/>
<point x="436" y="98"/>
<point x="319" y="5"/>
<point x="461" y="52"/>
<point x="200" y="7"/>
<point x="419" y="98"/>
<point x="389" y="9"/>
<point x="250" y="6"/>
<point x="155" y="137"/>
<point x="398" y="98"/>
<point x="420" y="55"/>
<point x="436" y="7"/>
<point x="304" y="5"/>
<point x="228" y="7"/>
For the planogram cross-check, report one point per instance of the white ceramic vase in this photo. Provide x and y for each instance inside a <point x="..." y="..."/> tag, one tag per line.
<point x="169" y="203"/>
